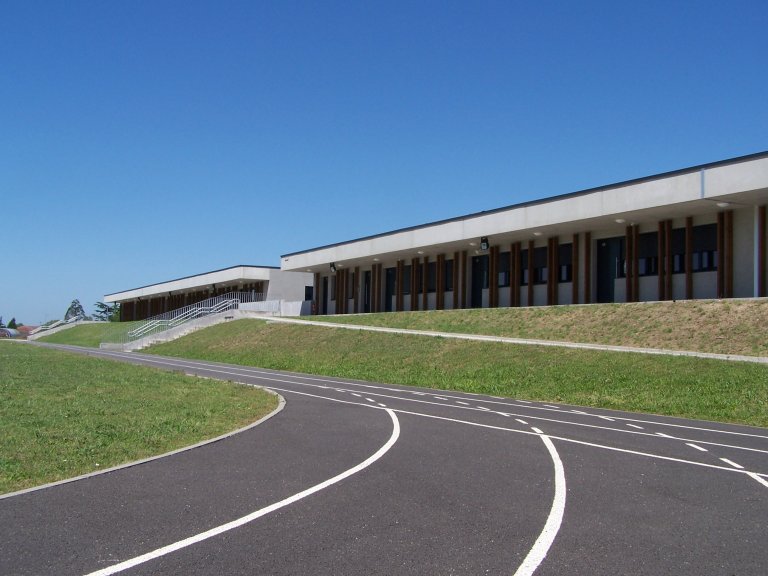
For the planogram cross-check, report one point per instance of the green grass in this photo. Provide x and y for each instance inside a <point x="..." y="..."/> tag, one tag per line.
<point x="677" y="386"/>
<point x="62" y="415"/>
<point x="89" y="335"/>
<point x="719" y="326"/>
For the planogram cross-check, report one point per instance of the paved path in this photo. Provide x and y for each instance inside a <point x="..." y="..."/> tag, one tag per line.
<point x="360" y="478"/>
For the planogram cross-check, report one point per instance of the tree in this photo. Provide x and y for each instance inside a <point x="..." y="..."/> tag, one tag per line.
<point x="12" y="324"/>
<point x="75" y="310"/>
<point x="107" y="313"/>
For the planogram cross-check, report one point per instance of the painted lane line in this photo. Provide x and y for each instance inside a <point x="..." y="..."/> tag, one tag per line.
<point x="579" y="424"/>
<point x="371" y="400"/>
<point x="732" y="463"/>
<point x="635" y="426"/>
<point x="754" y="476"/>
<point x="483" y="408"/>
<point x="179" y="362"/>
<point x="356" y="395"/>
<point x="555" y="519"/>
<point x="699" y="448"/>
<point x="523" y="422"/>
<point x="550" y="406"/>
<point x="580" y="412"/>
<point x="503" y="414"/>
<point x="574" y="441"/>
<point x="440" y="398"/>
<point x="382" y="405"/>
<point x="606" y="418"/>
<point x="258" y="513"/>
<point x="536" y="430"/>
<point x="462" y="403"/>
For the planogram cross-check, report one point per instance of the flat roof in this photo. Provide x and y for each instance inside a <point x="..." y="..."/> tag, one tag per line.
<point x="541" y="201"/>
<point x="192" y="276"/>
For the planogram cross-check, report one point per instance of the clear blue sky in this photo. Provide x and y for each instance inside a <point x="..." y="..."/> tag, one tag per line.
<point x="145" y="141"/>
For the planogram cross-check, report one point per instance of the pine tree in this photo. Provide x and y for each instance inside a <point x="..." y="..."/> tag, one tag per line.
<point x="75" y="310"/>
<point x="12" y="324"/>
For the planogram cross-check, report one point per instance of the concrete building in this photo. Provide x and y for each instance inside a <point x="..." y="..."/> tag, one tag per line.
<point x="699" y="232"/>
<point x="262" y="282"/>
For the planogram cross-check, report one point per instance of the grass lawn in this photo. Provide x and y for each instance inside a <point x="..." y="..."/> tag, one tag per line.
<point x="688" y="387"/>
<point x="62" y="415"/>
<point x="719" y="326"/>
<point x="89" y="335"/>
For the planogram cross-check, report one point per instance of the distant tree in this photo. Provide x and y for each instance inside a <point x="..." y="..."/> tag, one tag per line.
<point x="107" y="313"/>
<point x="12" y="324"/>
<point x="75" y="310"/>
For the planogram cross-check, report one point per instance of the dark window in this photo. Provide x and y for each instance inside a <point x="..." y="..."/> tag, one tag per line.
<point x="565" y="262"/>
<point x="333" y="287"/>
<point x="350" y="286"/>
<point x="448" y="276"/>
<point x="678" y="251"/>
<point x="704" y="250"/>
<point x="503" y="269"/>
<point x="540" y="270"/>
<point x="524" y="267"/>
<point x="432" y="277"/>
<point x="406" y="279"/>
<point x="648" y="254"/>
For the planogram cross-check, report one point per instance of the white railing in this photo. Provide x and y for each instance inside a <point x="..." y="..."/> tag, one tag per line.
<point x="55" y="324"/>
<point x="175" y="318"/>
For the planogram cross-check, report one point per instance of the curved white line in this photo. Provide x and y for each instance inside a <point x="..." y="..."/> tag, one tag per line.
<point x="256" y="514"/>
<point x="547" y="537"/>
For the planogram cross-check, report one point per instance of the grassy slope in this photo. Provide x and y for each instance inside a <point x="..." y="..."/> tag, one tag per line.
<point x="695" y="388"/>
<point x="62" y="415"/>
<point x="720" y="326"/>
<point x="89" y="335"/>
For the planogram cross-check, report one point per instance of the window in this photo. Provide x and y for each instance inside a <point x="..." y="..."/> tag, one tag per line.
<point x="678" y="251"/>
<point x="704" y="249"/>
<point x="333" y="287"/>
<point x="350" y="286"/>
<point x="406" y="283"/>
<point x="503" y="269"/>
<point x="432" y="277"/>
<point x="524" y="267"/>
<point x="565" y="262"/>
<point x="448" y="279"/>
<point x="648" y="254"/>
<point x="540" y="269"/>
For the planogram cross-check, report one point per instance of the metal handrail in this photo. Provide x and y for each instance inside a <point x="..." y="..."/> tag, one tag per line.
<point x="180" y="316"/>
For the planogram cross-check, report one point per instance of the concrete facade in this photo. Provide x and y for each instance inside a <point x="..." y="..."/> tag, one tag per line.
<point x="268" y="283"/>
<point x="699" y="232"/>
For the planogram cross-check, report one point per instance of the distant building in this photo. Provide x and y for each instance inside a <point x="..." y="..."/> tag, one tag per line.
<point x="261" y="282"/>
<point x="698" y="232"/>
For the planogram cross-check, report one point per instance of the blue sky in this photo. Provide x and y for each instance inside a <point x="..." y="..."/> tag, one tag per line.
<point x="146" y="141"/>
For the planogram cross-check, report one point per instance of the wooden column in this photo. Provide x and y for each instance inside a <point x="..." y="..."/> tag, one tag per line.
<point x="316" y="299"/>
<point x="762" y="281"/>
<point x="729" y="254"/>
<point x="587" y="267"/>
<point x="515" y="275"/>
<point x="553" y="263"/>
<point x="530" y="272"/>
<point x="414" y="284"/>
<point x="356" y="290"/>
<point x="493" y="278"/>
<point x="440" y="282"/>
<point x="635" y="263"/>
<point x="668" y="264"/>
<point x="575" y="269"/>
<point x="399" y="286"/>
<point x="660" y="251"/>
<point x="424" y="283"/>
<point x="463" y="278"/>
<point x="628" y="257"/>
<point x="689" y="258"/>
<point x="455" y="280"/>
<point x="720" y="255"/>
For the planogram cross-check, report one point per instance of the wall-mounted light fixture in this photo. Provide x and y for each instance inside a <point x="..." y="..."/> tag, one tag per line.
<point x="620" y="220"/>
<point x="537" y="233"/>
<point x="723" y="204"/>
<point x="484" y="244"/>
<point x="333" y="267"/>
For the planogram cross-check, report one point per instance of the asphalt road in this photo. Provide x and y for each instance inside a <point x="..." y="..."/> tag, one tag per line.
<point x="361" y="478"/>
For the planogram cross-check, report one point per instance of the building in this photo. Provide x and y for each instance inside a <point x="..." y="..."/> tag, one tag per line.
<point x="699" y="232"/>
<point x="260" y="282"/>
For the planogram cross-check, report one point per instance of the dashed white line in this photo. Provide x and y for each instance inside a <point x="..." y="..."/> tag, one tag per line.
<point x="732" y="463"/>
<point x="692" y="445"/>
<point x="663" y="435"/>
<point x="356" y="395"/>
<point x="606" y="418"/>
<point x="371" y="400"/>
<point x="483" y="408"/>
<point x="548" y="406"/>
<point x="636" y="426"/>
<point x="536" y="430"/>
<point x="523" y="422"/>
<point x="440" y="398"/>
<point x="462" y="403"/>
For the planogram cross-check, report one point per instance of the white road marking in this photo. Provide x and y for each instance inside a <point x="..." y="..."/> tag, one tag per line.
<point x="732" y="463"/>
<point x="550" y="406"/>
<point x="536" y="430"/>
<point x="606" y="418"/>
<point x="258" y="513"/>
<point x="503" y="414"/>
<point x="356" y="395"/>
<point x="371" y="400"/>
<point x="523" y="422"/>
<point x="462" y="403"/>
<point x="692" y="445"/>
<point x="483" y="408"/>
<point x="544" y="542"/>
<point x="757" y="477"/>
<point x="664" y="435"/>
<point x="382" y="405"/>
<point x="272" y="374"/>
<point x="440" y="398"/>
<point x="636" y="426"/>
<point x="580" y="412"/>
